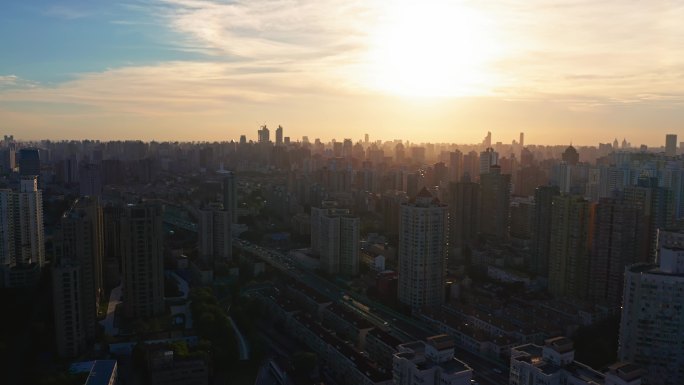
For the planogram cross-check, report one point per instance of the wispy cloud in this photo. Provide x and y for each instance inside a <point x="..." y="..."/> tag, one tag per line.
<point x="8" y="82"/>
<point x="65" y="12"/>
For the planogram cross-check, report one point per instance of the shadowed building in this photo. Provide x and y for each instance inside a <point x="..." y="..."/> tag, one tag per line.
<point x="569" y="247"/>
<point x="77" y="276"/>
<point x="143" y="261"/>
<point x="422" y="251"/>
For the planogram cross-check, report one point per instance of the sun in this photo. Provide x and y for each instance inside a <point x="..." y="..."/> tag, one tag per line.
<point x="431" y="49"/>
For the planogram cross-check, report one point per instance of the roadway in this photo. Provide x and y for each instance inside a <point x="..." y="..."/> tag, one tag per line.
<point x="486" y="370"/>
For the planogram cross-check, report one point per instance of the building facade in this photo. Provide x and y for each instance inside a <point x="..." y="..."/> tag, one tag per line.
<point x="569" y="247"/>
<point x="653" y="314"/>
<point x="78" y="284"/>
<point x="143" y="261"/>
<point x="214" y="233"/>
<point x="430" y="363"/>
<point x="422" y="251"/>
<point x="22" y="234"/>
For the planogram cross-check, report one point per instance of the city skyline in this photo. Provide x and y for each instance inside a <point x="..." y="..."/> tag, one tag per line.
<point x="444" y="71"/>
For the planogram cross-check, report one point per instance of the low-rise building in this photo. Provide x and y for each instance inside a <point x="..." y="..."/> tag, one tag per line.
<point x="554" y="364"/>
<point x="430" y="363"/>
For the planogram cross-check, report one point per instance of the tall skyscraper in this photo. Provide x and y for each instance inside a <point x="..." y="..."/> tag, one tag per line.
<point x="541" y="229"/>
<point x="339" y="243"/>
<point x="569" y="247"/>
<point x="422" y="251"/>
<point x="335" y="238"/>
<point x="620" y="239"/>
<point x="487" y="142"/>
<point x="495" y="203"/>
<point x="471" y="165"/>
<point x="143" y="260"/>
<point x="111" y="215"/>
<point x="264" y="134"/>
<point x="22" y="234"/>
<point x="570" y="156"/>
<point x="89" y="179"/>
<point x="77" y="276"/>
<point x="8" y="156"/>
<point x="29" y="161"/>
<point x="455" y="166"/>
<point x="488" y="158"/>
<point x="564" y="175"/>
<point x="215" y="242"/>
<point x="652" y="317"/>
<point x="279" y="135"/>
<point x="464" y="212"/>
<point x="657" y="203"/>
<point x="230" y="194"/>
<point x="671" y="145"/>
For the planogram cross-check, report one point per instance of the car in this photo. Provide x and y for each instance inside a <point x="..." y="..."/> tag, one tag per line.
<point x="498" y="371"/>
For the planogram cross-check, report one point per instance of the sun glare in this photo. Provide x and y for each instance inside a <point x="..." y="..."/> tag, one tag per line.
<point x="431" y="49"/>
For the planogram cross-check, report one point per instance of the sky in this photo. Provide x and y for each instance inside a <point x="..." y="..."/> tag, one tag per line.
<point x="426" y="71"/>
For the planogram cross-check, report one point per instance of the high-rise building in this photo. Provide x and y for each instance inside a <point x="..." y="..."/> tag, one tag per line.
<point x="340" y="244"/>
<point x="430" y="363"/>
<point x="620" y="239"/>
<point x="495" y="203"/>
<point x="347" y="148"/>
<point x="564" y="175"/>
<point x="652" y="317"/>
<point x="418" y="154"/>
<point x="22" y="234"/>
<point x="488" y="158"/>
<point x="569" y="247"/>
<point x="279" y="135"/>
<point x="390" y="203"/>
<point x="264" y="134"/>
<point x="570" y="156"/>
<point x="422" y="251"/>
<point x="522" y="212"/>
<point x="487" y="142"/>
<point x="657" y="203"/>
<point x="439" y="174"/>
<point x="77" y="276"/>
<point x="671" y="145"/>
<point x="464" y="212"/>
<point x="143" y="260"/>
<point x="399" y="153"/>
<point x="541" y="229"/>
<point x="335" y="237"/>
<point x="471" y="165"/>
<point x="8" y="157"/>
<point x="214" y="233"/>
<point x="230" y="195"/>
<point x="29" y="161"/>
<point x="455" y="166"/>
<point x="89" y="179"/>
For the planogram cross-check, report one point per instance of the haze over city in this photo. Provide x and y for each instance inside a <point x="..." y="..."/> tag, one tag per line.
<point x="341" y="192"/>
<point x="439" y="71"/>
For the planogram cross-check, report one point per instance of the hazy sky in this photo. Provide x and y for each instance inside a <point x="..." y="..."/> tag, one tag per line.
<point x="441" y="71"/>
